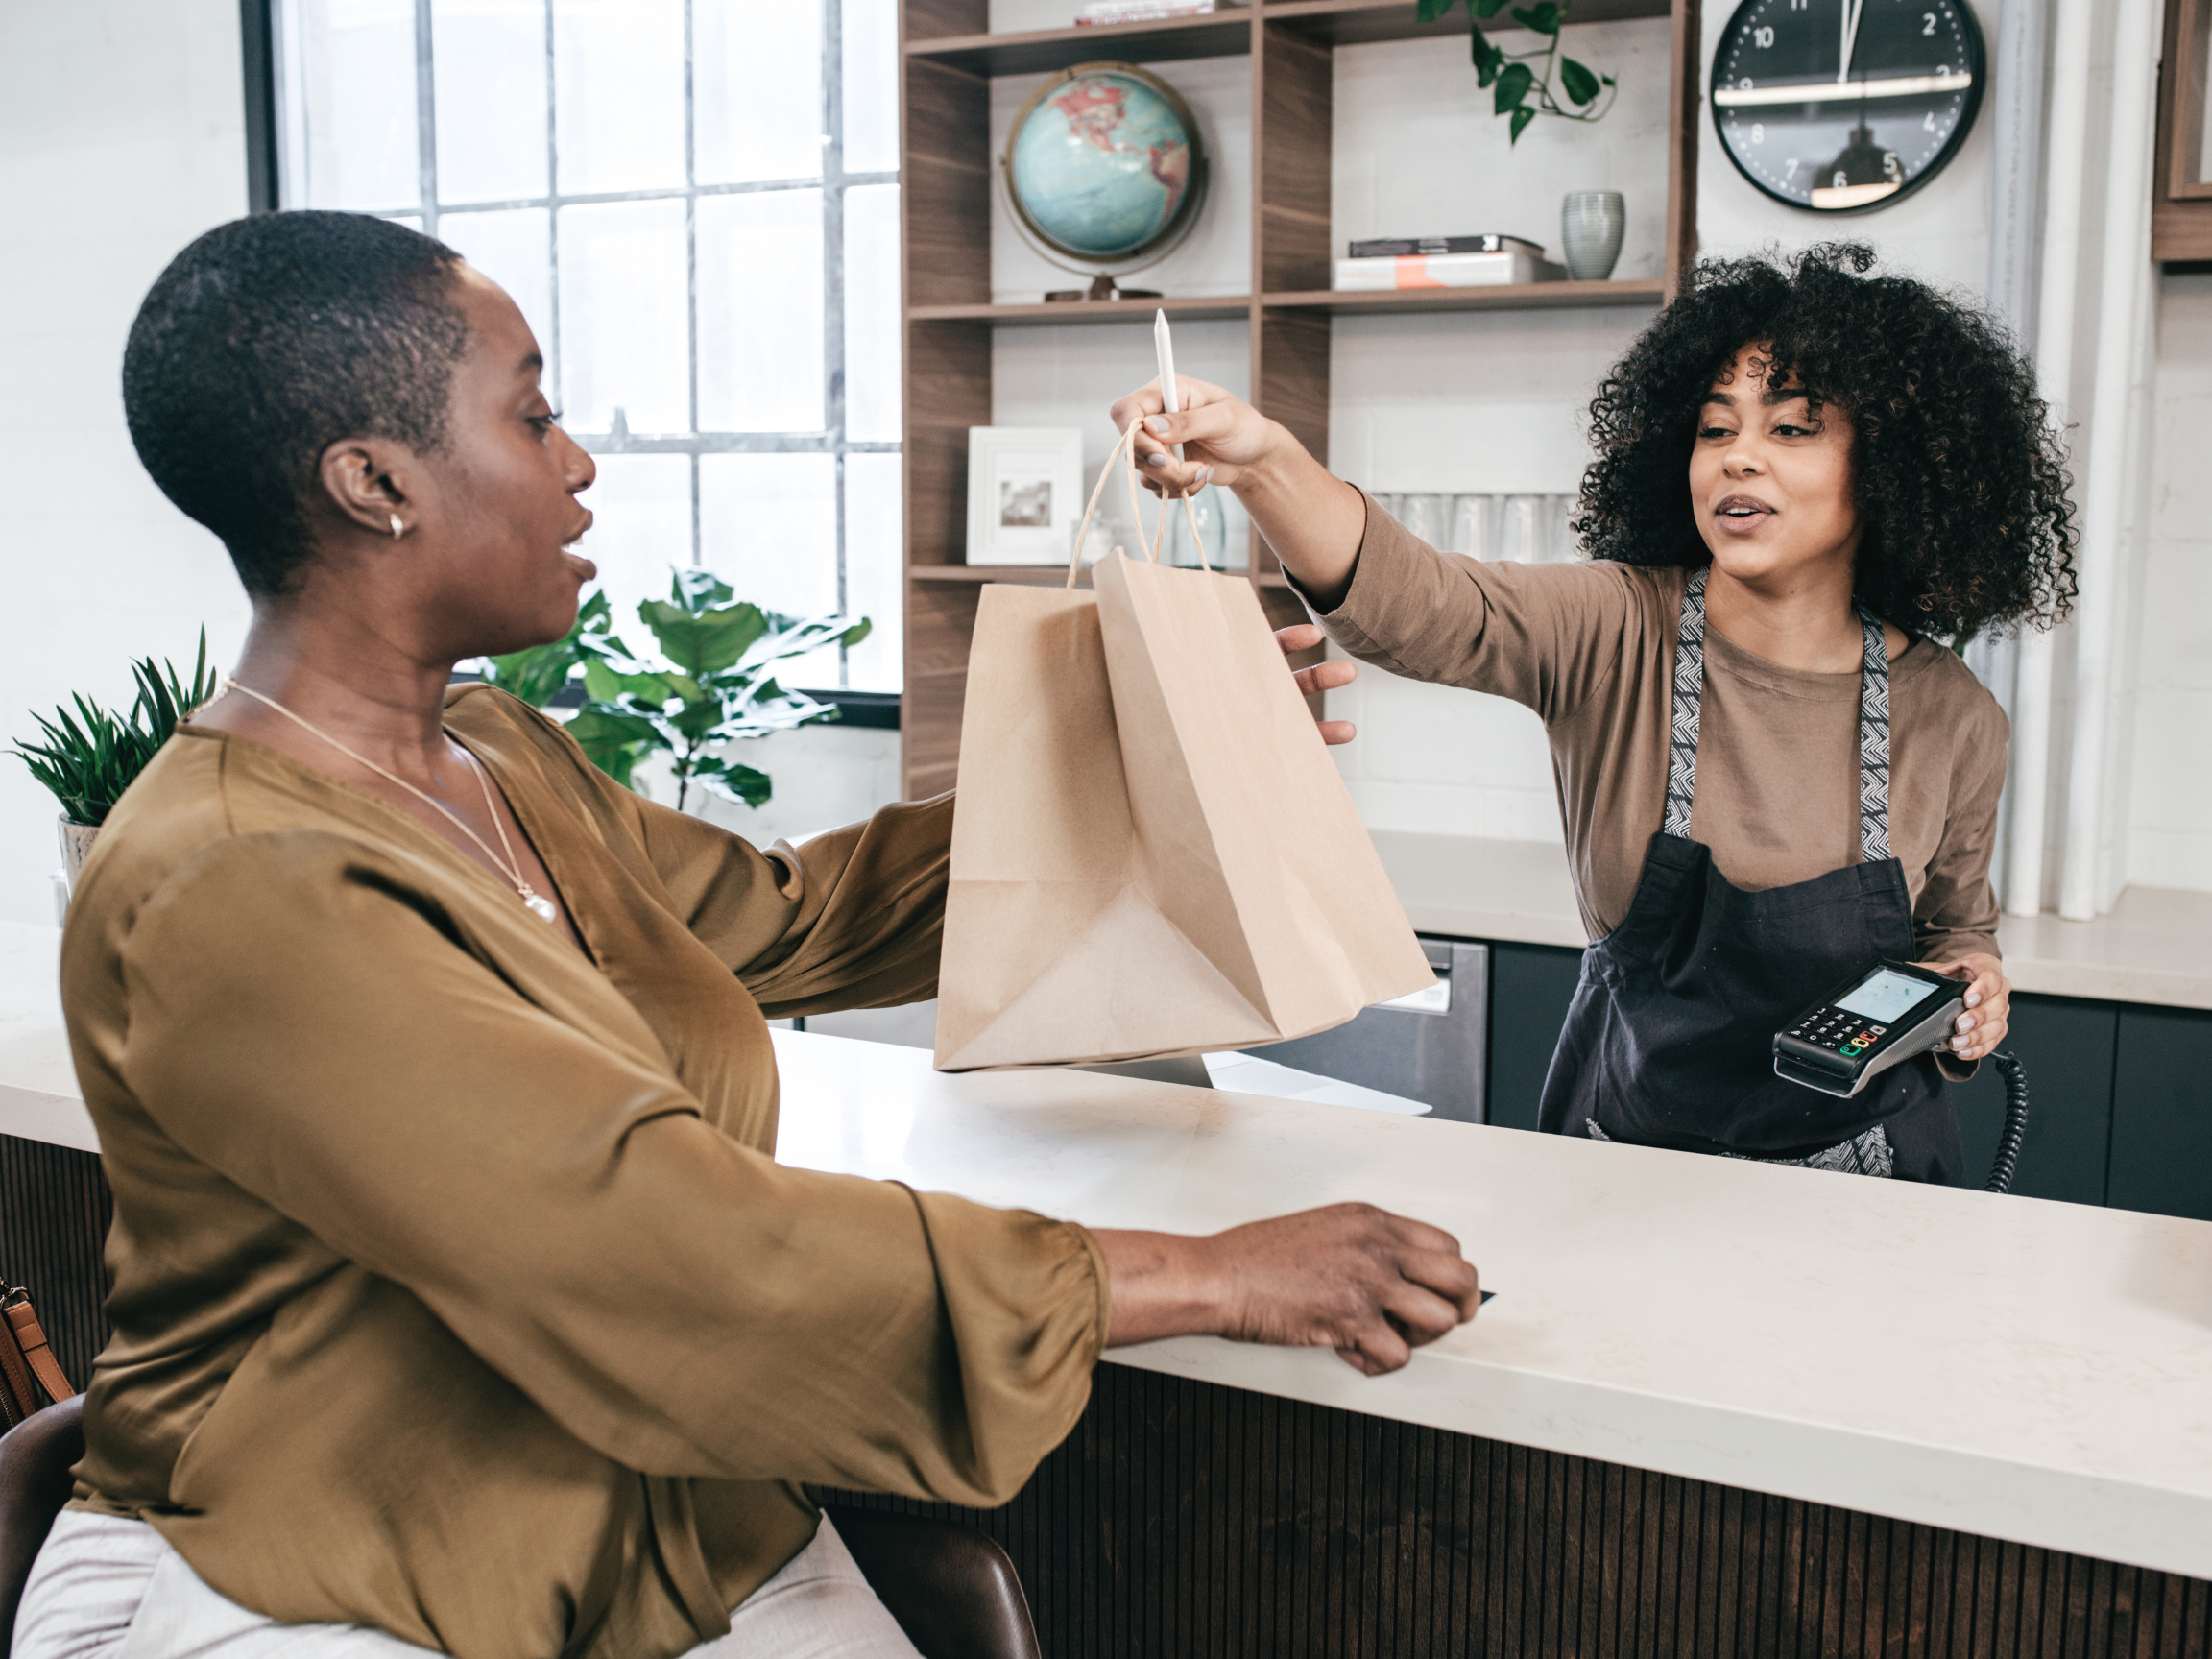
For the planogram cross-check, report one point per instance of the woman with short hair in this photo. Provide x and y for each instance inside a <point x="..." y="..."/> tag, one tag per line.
<point x="459" y="1301"/>
<point x="1772" y="773"/>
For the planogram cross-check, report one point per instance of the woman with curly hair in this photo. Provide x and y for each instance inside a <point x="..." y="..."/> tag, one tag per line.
<point x="1808" y="479"/>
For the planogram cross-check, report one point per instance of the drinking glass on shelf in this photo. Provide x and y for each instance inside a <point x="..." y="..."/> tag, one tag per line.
<point x="1474" y="526"/>
<point x="1112" y="527"/>
<point x="1523" y="541"/>
<point x="1428" y="516"/>
<point x="1559" y="540"/>
<point x="1212" y="533"/>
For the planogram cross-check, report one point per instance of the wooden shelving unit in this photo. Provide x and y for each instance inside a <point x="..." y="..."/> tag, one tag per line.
<point x="1100" y="311"/>
<point x="976" y="573"/>
<point x="949" y="58"/>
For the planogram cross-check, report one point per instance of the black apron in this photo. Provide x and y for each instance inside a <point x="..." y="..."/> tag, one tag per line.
<point x="1670" y="1041"/>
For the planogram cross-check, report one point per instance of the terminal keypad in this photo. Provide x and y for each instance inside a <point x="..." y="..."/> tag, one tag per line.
<point x="1837" y="1031"/>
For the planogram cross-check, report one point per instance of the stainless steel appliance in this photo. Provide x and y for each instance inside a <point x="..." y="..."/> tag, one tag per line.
<point x="1432" y="1046"/>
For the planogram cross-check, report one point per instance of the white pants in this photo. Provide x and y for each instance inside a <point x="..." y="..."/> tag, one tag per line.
<point x="105" y="1588"/>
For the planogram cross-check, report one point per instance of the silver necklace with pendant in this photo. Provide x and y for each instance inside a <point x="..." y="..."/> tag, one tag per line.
<point x="535" y="902"/>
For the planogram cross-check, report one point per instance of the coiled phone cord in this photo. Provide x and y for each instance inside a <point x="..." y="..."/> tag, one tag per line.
<point x="2015" y="1121"/>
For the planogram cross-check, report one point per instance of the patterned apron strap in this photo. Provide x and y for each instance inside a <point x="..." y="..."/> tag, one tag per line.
<point x="1874" y="743"/>
<point x="1873" y="724"/>
<point x="1689" y="691"/>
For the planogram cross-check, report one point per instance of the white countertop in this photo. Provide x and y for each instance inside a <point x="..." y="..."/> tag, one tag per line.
<point x="39" y="1100"/>
<point x="2024" y="1370"/>
<point x="2154" y="946"/>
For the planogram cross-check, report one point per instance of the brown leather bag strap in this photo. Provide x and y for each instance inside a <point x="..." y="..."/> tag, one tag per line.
<point x="30" y="1338"/>
<point x="18" y="1393"/>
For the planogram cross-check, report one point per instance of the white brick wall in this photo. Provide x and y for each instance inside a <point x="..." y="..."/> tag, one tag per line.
<point x="2169" y="810"/>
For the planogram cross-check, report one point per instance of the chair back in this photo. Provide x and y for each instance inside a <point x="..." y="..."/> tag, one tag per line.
<point x="952" y="1589"/>
<point x="36" y="1459"/>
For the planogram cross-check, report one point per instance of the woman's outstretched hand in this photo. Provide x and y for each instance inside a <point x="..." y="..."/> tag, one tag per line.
<point x="1314" y="521"/>
<point x="1368" y="1284"/>
<point x="1222" y="436"/>
<point x="1322" y="677"/>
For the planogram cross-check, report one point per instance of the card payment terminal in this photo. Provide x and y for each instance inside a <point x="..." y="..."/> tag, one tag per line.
<point x="1888" y="1014"/>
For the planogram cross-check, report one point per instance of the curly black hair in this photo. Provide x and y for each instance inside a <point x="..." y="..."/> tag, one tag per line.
<point x="265" y="341"/>
<point x="1959" y="476"/>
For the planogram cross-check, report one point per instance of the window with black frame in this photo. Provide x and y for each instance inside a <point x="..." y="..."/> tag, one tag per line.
<point x="696" y="205"/>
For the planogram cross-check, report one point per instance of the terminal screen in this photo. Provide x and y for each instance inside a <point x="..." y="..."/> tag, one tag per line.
<point x="1883" y="996"/>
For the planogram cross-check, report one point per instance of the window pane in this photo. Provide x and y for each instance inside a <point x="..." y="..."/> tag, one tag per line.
<point x="871" y="314"/>
<point x="353" y="82"/>
<point x="760" y="362"/>
<point x="768" y="527"/>
<point x="624" y="343"/>
<point x="489" y="68"/>
<point x="619" y="90"/>
<point x="511" y="248"/>
<point x="758" y="77"/>
<point x="642" y="528"/>
<point x="873" y="518"/>
<point x="871" y="86"/>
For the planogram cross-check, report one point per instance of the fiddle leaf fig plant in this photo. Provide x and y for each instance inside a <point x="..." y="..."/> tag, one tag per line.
<point x="1518" y="90"/>
<point x="89" y="756"/>
<point x="709" y="683"/>
<point x="712" y="685"/>
<point x="542" y="672"/>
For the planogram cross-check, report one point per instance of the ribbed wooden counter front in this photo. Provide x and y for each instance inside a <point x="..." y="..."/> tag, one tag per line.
<point x="1187" y="1521"/>
<point x="53" y="1212"/>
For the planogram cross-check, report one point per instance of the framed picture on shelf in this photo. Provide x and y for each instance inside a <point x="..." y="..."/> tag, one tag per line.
<point x="2181" y="196"/>
<point x="1024" y="493"/>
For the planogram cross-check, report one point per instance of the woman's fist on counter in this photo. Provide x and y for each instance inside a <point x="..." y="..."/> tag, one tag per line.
<point x="1368" y="1284"/>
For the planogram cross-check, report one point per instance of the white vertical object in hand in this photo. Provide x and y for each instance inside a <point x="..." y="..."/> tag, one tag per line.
<point x="1163" y="347"/>
<point x="2119" y="302"/>
<point x="2057" y="297"/>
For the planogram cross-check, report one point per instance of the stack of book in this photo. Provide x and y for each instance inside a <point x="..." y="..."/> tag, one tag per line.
<point x="1443" y="262"/>
<point x="1146" y="10"/>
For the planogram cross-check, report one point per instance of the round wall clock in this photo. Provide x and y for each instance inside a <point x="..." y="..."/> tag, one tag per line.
<point x="1843" y="105"/>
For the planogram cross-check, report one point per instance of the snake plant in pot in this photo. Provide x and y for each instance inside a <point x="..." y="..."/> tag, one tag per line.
<point x="89" y="756"/>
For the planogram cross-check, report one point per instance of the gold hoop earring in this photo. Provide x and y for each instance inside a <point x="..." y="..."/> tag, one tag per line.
<point x="398" y="529"/>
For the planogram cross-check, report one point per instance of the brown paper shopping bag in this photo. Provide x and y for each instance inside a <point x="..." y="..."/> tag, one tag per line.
<point x="1152" y="853"/>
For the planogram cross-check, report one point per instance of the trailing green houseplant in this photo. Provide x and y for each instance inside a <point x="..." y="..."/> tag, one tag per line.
<point x="711" y="685"/>
<point x="1518" y="88"/>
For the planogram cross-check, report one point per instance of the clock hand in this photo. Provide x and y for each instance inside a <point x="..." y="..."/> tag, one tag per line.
<point x="1851" y="11"/>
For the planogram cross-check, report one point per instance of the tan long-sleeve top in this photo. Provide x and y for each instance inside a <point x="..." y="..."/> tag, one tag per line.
<point x="456" y="1288"/>
<point x="1590" y="647"/>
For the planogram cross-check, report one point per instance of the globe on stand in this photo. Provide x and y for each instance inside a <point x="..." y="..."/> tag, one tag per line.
<point x="1104" y="173"/>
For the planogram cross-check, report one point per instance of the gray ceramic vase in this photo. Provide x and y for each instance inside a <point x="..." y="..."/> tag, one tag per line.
<point x="1591" y="225"/>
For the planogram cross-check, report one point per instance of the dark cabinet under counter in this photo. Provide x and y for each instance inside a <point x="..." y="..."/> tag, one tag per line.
<point x="2120" y="1095"/>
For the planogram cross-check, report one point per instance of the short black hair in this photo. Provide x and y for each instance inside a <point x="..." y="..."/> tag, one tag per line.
<point x="264" y="343"/>
<point x="1959" y="476"/>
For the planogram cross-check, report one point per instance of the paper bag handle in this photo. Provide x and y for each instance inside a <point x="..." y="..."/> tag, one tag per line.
<point x="1126" y="444"/>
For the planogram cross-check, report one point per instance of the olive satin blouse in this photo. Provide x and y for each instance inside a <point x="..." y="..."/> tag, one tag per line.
<point x="457" y="1291"/>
